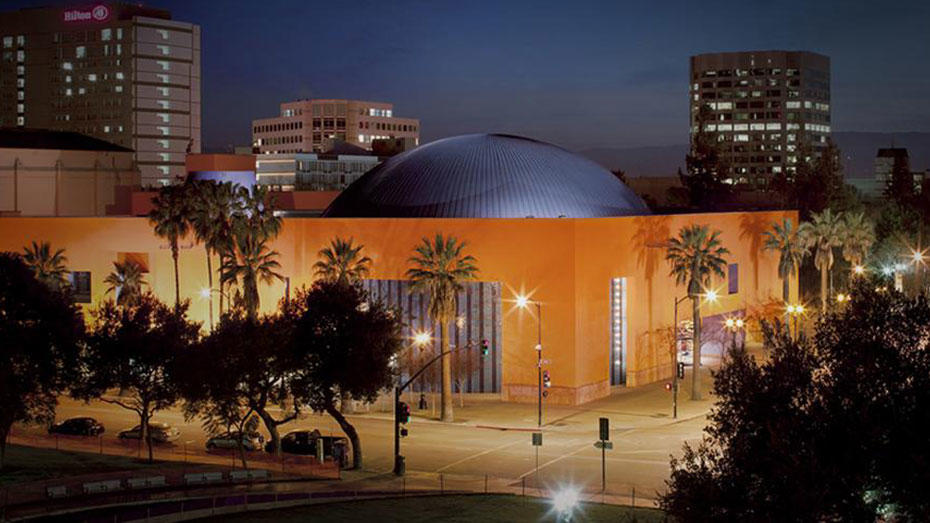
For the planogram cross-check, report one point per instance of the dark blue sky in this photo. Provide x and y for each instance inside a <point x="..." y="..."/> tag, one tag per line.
<point x="579" y="74"/>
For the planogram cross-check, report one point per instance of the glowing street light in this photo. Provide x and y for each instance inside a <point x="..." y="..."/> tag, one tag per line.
<point x="710" y="295"/>
<point x="858" y="270"/>
<point x="524" y="303"/>
<point x="795" y="311"/>
<point x="421" y="338"/>
<point x="205" y="293"/>
<point x="734" y="325"/>
<point x="842" y="298"/>
<point x="564" y="503"/>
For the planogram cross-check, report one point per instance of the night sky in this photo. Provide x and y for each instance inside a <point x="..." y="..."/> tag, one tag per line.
<point x="579" y="74"/>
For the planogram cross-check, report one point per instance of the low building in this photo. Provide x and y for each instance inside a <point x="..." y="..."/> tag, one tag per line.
<point x="60" y="173"/>
<point x="542" y="223"/>
<point x="305" y="125"/>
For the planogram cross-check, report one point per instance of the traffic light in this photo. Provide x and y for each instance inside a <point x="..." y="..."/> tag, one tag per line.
<point x="485" y="347"/>
<point x="402" y="412"/>
<point x="547" y="382"/>
<point x="681" y="370"/>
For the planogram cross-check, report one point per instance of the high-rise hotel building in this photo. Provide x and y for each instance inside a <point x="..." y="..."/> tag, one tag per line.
<point x="306" y="125"/>
<point x="126" y="74"/>
<point x="763" y="105"/>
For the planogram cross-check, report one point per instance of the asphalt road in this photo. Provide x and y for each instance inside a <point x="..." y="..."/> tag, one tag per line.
<point x="642" y="433"/>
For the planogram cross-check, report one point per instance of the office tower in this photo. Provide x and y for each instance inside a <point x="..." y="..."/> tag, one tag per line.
<point x="126" y="74"/>
<point x="763" y="107"/>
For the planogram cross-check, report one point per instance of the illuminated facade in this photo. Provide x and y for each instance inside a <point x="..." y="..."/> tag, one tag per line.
<point x="306" y="125"/>
<point x="116" y="71"/>
<point x="764" y="106"/>
<point x="599" y="271"/>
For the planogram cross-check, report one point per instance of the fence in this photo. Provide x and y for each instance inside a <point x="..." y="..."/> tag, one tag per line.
<point x="181" y="505"/>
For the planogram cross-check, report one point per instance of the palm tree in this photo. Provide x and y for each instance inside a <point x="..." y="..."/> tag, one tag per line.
<point x="48" y="267"/>
<point x="253" y="262"/>
<point x="170" y="218"/>
<point x="341" y="261"/>
<point x="822" y="234"/>
<point x="858" y="237"/>
<point x="695" y="255"/>
<point x="439" y="268"/>
<point x="126" y="282"/>
<point x="783" y="238"/>
<point x="209" y="219"/>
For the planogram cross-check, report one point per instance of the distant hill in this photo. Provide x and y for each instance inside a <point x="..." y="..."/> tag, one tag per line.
<point x="858" y="148"/>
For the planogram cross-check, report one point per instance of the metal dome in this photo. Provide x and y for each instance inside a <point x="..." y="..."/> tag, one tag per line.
<point x="487" y="176"/>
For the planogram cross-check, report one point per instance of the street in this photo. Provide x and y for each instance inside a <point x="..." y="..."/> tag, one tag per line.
<point x="494" y="438"/>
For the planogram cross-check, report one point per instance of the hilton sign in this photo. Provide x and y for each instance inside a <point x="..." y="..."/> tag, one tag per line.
<point x="98" y="13"/>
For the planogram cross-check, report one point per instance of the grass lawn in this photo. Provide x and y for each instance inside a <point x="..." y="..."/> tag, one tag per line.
<point x="24" y="464"/>
<point x="482" y="508"/>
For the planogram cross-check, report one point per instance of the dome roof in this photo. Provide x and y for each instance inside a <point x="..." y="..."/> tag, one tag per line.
<point x="487" y="176"/>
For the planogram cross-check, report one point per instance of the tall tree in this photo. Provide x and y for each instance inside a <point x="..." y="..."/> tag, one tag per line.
<point x="49" y="267"/>
<point x="125" y="282"/>
<point x="439" y="268"/>
<point x="783" y="239"/>
<point x="816" y="182"/>
<point x="822" y="234"/>
<point x="254" y="262"/>
<point x="170" y="218"/>
<point x="41" y="330"/>
<point x="135" y="348"/>
<point x="706" y="172"/>
<point x="342" y="261"/>
<point x="343" y="343"/>
<point x="695" y="255"/>
<point x="251" y="372"/>
<point x="858" y="235"/>
<point x="213" y="204"/>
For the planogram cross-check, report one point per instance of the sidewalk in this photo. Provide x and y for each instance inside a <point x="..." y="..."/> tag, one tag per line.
<point x="646" y="406"/>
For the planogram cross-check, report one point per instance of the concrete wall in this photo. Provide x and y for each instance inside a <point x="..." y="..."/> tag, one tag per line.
<point x="566" y="264"/>
<point x="51" y="182"/>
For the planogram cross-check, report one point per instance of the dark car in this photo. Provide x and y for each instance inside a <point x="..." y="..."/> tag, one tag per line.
<point x="304" y="443"/>
<point x="77" y="427"/>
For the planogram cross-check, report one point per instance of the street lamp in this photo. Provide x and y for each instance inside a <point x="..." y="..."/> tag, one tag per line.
<point x="734" y="325"/>
<point x="795" y="311"/>
<point x="420" y="339"/>
<point x="842" y="298"/>
<point x="858" y="270"/>
<point x="675" y="357"/>
<point x="524" y="302"/>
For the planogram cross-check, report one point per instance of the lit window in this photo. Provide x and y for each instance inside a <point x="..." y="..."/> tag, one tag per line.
<point x="67" y="66"/>
<point x="20" y="108"/>
<point x="118" y="88"/>
<point x="81" y="90"/>
<point x="164" y="65"/>
<point x="68" y="92"/>
<point x="740" y="137"/>
<point x="106" y="34"/>
<point x="164" y="117"/>
<point x="80" y="51"/>
<point x="7" y="42"/>
<point x="164" y="144"/>
<point x="119" y="50"/>
<point x="725" y="127"/>
<point x="773" y="127"/>
<point x="793" y="104"/>
<point x="165" y="50"/>
<point x="20" y="121"/>
<point x="20" y="56"/>
<point x="163" y="90"/>
<point x="106" y="128"/>
<point x="119" y="33"/>
<point x="92" y="77"/>
<point x="20" y="95"/>
<point x="163" y="33"/>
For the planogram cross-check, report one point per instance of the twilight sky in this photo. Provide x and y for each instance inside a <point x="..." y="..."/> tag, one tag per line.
<point x="580" y="74"/>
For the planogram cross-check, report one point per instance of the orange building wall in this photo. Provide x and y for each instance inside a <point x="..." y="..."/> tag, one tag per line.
<point x="566" y="264"/>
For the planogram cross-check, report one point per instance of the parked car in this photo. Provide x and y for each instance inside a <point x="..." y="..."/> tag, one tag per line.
<point x="230" y="440"/>
<point x="304" y="442"/>
<point x="161" y="432"/>
<point x="77" y="427"/>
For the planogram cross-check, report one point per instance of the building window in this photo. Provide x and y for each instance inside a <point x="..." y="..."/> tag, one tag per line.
<point x="80" y="52"/>
<point x="106" y="34"/>
<point x="7" y="42"/>
<point x="617" y="331"/>
<point x="80" y="286"/>
<point x="733" y="278"/>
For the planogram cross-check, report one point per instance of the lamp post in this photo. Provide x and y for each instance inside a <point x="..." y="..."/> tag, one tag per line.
<point x="206" y="294"/>
<point x="523" y="302"/>
<point x="419" y="339"/>
<point x="734" y="325"/>
<point x="795" y="311"/>
<point x="678" y="301"/>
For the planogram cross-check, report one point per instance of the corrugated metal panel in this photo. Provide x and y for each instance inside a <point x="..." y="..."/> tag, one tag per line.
<point x="487" y="176"/>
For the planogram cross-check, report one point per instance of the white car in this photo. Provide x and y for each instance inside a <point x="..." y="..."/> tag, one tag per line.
<point x="161" y="432"/>
<point x="230" y="440"/>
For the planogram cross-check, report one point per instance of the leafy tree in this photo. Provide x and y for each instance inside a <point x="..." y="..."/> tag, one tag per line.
<point x="900" y="188"/>
<point x="343" y="343"/>
<point x="706" y="172"/>
<point x="780" y="444"/>
<point x="254" y="262"/>
<point x="858" y="237"/>
<point x="251" y="373"/>
<point x="49" y="267"/>
<point x="41" y="331"/>
<point x="135" y="348"/>
<point x="783" y="238"/>
<point x="170" y="218"/>
<point x="342" y="261"/>
<point x="695" y="255"/>
<point x="822" y="234"/>
<point x="439" y="268"/>
<point x="125" y="282"/>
